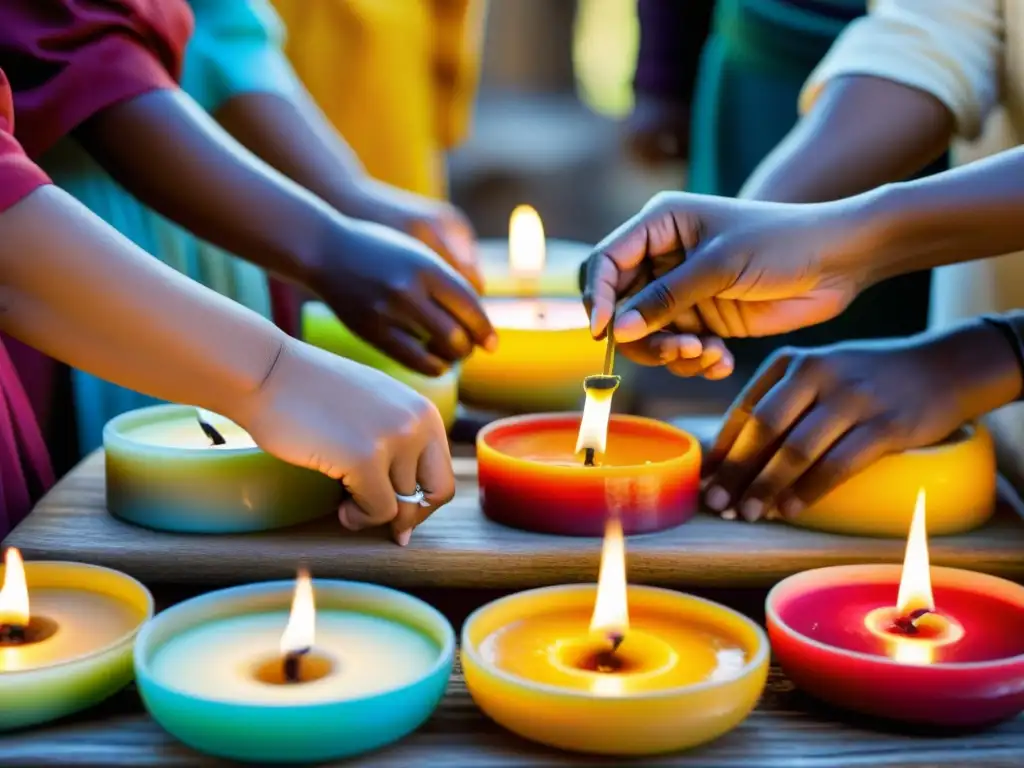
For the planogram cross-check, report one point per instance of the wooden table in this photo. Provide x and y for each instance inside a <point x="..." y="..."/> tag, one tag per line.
<point x="460" y="548"/>
<point x="786" y="731"/>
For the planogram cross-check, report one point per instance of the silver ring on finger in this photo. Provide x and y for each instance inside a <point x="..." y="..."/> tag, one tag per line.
<point x="418" y="497"/>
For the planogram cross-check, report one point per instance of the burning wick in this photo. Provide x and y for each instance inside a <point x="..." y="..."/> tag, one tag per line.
<point x="292" y="670"/>
<point x="12" y="634"/>
<point x="216" y="438"/>
<point x="17" y="625"/>
<point x="611" y="613"/>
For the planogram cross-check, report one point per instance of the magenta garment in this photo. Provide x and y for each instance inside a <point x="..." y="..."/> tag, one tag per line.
<point x="25" y="471"/>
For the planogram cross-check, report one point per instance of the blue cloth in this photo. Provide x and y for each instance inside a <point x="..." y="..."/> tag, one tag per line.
<point x="237" y="48"/>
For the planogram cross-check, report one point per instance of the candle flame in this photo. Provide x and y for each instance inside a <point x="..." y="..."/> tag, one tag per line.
<point x="14" y="594"/>
<point x="915" y="582"/>
<point x="597" y="410"/>
<point x="300" y="632"/>
<point x="611" y="610"/>
<point x="526" y="245"/>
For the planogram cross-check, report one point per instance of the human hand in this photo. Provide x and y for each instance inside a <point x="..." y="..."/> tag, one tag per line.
<point x="732" y="268"/>
<point x="358" y="426"/>
<point x="436" y="223"/>
<point x="811" y="419"/>
<point x="658" y="131"/>
<point x="399" y="296"/>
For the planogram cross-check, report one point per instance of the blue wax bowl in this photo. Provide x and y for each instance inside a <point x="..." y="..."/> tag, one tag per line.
<point x="290" y="733"/>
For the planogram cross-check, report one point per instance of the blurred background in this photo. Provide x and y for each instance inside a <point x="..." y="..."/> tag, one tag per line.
<point x="556" y="87"/>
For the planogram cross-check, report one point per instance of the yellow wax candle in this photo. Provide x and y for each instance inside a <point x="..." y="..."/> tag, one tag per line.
<point x="164" y="472"/>
<point x="559" y="277"/>
<point x="66" y="633"/>
<point x="545" y="352"/>
<point x="653" y="671"/>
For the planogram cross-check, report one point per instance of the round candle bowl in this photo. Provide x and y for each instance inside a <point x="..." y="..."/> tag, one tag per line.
<point x="559" y="278"/>
<point x="321" y="328"/>
<point x="530" y="478"/>
<point x="629" y="724"/>
<point x="40" y="694"/>
<point x="815" y="618"/>
<point x="534" y="369"/>
<point x="205" y="490"/>
<point x="958" y="477"/>
<point x="293" y="732"/>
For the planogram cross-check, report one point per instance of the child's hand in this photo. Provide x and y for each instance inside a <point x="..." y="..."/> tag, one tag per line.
<point x="359" y="426"/>
<point x="400" y="296"/>
<point x="810" y="419"/>
<point x="436" y="223"/>
<point x="683" y="354"/>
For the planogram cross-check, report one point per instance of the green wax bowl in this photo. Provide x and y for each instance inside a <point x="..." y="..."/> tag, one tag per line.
<point x="293" y="732"/>
<point x="204" y="489"/>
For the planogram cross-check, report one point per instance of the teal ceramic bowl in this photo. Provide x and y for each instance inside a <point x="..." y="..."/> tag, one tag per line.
<point x="162" y="473"/>
<point x="293" y="733"/>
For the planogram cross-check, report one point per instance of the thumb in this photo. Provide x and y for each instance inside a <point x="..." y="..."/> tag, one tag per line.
<point x="706" y="273"/>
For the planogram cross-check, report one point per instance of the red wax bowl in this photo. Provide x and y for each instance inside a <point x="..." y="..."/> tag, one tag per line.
<point x="818" y="635"/>
<point x="531" y="478"/>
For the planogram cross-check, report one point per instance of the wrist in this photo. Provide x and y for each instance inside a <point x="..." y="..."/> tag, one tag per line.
<point x="984" y="366"/>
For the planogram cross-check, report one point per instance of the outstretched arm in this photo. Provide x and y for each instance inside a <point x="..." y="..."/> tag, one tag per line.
<point x="888" y="99"/>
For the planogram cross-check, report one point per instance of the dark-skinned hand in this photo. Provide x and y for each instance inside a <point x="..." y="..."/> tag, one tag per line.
<point x="401" y="297"/>
<point x="810" y="419"/>
<point x="693" y="264"/>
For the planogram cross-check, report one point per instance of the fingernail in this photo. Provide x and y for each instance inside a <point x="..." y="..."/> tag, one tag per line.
<point x="403" y="537"/>
<point x="717" y="498"/>
<point x="792" y="507"/>
<point x="729" y="514"/>
<point x="343" y="519"/>
<point x="752" y="510"/>
<point x="630" y="326"/>
<point x="691" y="348"/>
<point x="491" y="343"/>
<point x="593" y="321"/>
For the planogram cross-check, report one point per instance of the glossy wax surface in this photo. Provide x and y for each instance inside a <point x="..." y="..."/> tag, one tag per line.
<point x="531" y="478"/>
<point x="164" y="473"/>
<point x="993" y="627"/>
<point x="86" y="623"/>
<point x="321" y="328"/>
<point x="545" y="351"/>
<point x="660" y="652"/>
<point x="369" y="655"/>
<point x="816" y="622"/>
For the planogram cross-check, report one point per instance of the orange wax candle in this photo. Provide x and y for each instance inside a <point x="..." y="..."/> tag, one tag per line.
<point x="531" y="476"/>
<point x="613" y="670"/>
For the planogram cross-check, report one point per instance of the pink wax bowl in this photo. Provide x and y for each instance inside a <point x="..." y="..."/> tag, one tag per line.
<point x="816" y="624"/>
<point x="531" y="478"/>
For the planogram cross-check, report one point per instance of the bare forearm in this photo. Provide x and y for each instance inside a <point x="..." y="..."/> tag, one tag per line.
<point x="972" y="212"/>
<point x="79" y="291"/>
<point x="862" y="132"/>
<point x="293" y="136"/>
<point x="184" y="165"/>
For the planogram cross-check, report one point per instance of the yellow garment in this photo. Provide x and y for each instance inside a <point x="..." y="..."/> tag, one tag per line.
<point x="396" y="77"/>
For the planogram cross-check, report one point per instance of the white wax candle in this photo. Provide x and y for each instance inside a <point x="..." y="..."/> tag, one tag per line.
<point x="369" y="655"/>
<point x="536" y="314"/>
<point x="86" y="622"/>
<point x="185" y="432"/>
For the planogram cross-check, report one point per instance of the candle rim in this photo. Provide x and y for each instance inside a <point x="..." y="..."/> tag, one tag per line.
<point x="500" y="325"/>
<point x="694" y="448"/>
<point x="121" y="640"/>
<point x="235" y="596"/>
<point x="773" y="615"/>
<point x="116" y="434"/>
<point x="757" y="659"/>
